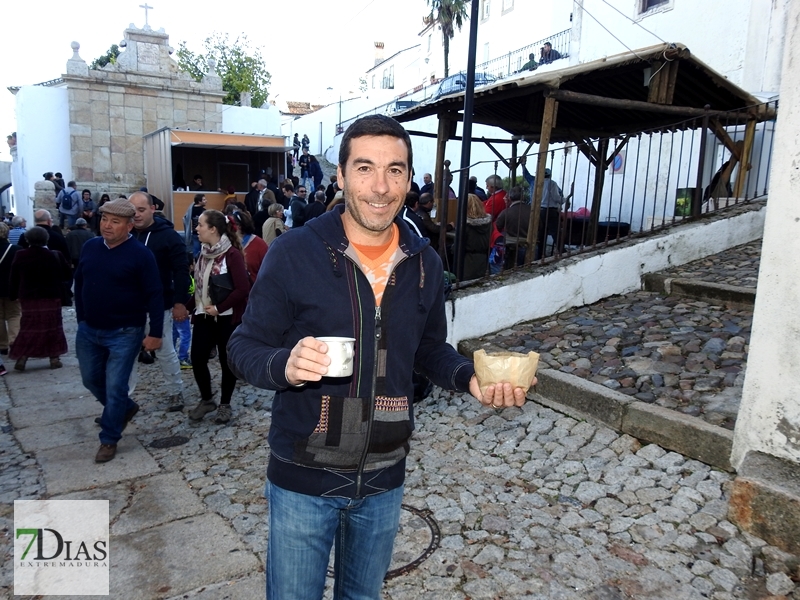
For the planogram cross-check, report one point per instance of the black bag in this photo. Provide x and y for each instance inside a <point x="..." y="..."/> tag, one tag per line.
<point x="220" y="287"/>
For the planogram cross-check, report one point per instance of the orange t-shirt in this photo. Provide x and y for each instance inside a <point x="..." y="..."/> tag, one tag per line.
<point x="377" y="262"/>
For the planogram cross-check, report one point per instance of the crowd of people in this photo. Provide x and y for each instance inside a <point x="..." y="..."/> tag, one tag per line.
<point x="338" y="443"/>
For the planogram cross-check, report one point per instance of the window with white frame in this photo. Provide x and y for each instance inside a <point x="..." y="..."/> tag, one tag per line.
<point x="484" y="9"/>
<point x="373" y="81"/>
<point x="508" y="5"/>
<point x="653" y="6"/>
<point x="486" y="52"/>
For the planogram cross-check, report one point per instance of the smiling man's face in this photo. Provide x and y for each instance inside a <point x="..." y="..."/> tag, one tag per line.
<point x="375" y="182"/>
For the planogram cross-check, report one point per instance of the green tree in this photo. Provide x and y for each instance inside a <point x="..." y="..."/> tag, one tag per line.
<point x="448" y="15"/>
<point x="240" y="67"/>
<point x="109" y="57"/>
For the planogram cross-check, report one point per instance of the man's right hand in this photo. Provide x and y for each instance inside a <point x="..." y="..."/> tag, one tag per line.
<point x="308" y="361"/>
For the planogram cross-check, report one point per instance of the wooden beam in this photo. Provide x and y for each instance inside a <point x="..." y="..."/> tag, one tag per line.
<point x="497" y="153"/>
<point x="457" y="137"/>
<point x="744" y="159"/>
<point x="441" y="144"/>
<point x="592" y="100"/>
<point x="548" y="122"/>
<point x="513" y="164"/>
<point x="723" y="137"/>
<point x="672" y="79"/>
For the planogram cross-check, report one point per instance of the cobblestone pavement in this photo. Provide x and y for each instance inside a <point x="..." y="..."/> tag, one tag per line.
<point x="683" y="354"/>
<point x="529" y="503"/>
<point x="737" y="266"/>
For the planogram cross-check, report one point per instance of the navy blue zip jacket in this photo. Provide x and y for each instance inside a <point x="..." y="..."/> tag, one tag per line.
<point x="344" y="437"/>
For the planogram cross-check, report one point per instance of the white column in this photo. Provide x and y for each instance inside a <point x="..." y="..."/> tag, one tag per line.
<point x="769" y="417"/>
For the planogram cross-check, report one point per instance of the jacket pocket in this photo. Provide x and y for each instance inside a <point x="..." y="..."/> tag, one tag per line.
<point x="340" y="436"/>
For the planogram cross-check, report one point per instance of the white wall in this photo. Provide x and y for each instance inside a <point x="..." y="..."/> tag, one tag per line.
<point x="43" y="141"/>
<point x="585" y="280"/>
<point x="716" y="31"/>
<point x="769" y="416"/>
<point x="246" y="119"/>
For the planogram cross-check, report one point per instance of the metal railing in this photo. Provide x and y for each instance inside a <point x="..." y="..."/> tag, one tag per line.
<point x="652" y="180"/>
<point x="499" y="67"/>
<point x="513" y="62"/>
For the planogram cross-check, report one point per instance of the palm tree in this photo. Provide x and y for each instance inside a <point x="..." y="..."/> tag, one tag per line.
<point x="449" y="15"/>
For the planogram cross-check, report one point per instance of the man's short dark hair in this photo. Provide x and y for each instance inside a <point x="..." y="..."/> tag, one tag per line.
<point x="426" y="198"/>
<point x="319" y="197"/>
<point x="548" y="44"/>
<point x="374" y="125"/>
<point x="72" y="184"/>
<point x="288" y="187"/>
<point x="37" y="236"/>
<point x="412" y="199"/>
<point x="198" y="198"/>
<point x="86" y="192"/>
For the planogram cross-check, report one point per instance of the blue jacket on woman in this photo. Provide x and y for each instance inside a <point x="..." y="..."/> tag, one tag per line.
<point x="345" y="437"/>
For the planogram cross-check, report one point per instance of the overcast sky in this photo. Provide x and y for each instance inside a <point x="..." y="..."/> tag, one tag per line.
<point x="307" y="45"/>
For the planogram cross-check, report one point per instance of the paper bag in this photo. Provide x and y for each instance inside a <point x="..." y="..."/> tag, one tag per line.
<point x="513" y="367"/>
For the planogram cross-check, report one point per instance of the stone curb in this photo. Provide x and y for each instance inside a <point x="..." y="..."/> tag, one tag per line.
<point x="684" y="434"/>
<point x="733" y="295"/>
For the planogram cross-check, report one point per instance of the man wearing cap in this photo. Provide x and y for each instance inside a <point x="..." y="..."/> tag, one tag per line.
<point x="117" y="285"/>
<point x="159" y="235"/>
<point x="76" y="238"/>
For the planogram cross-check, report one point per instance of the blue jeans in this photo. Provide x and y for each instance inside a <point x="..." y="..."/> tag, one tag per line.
<point x="302" y="530"/>
<point x="106" y="358"/>
<point x="182" y="330"/>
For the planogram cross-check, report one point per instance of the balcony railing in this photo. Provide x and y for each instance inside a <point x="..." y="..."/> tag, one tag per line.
<point x="511" y="63"/>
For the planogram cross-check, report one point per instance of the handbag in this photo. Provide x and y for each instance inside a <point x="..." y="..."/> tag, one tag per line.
<point x="220" y="287"/>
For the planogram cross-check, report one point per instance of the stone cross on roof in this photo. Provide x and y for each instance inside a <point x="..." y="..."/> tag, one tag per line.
<point x="146" y="8"/>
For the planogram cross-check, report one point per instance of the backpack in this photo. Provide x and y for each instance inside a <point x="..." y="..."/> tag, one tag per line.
<point x="66" y="199"/>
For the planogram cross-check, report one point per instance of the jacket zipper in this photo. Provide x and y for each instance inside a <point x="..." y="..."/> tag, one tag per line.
<point x="362" y="463"/>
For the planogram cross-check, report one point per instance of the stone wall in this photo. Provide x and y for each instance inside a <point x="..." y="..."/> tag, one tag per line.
<point x="112" y="108"/>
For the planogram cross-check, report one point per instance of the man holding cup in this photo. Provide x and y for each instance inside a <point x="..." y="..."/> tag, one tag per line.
<point x="339" y="443"/>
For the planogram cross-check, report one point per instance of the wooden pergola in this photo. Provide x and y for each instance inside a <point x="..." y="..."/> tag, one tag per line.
<point x="661" y="87"/>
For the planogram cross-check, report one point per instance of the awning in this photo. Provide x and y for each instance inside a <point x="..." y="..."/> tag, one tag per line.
<point x="227" y="141"/>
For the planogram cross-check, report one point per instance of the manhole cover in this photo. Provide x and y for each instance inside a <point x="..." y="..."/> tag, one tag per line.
<point x="418" y="536"/>
<point x="169" y="442"/>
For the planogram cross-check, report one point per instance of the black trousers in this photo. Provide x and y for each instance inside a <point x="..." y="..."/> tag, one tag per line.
<point x="210" y="332"/>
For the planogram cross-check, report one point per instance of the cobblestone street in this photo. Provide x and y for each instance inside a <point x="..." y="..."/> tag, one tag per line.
<point x="519" y="503"/>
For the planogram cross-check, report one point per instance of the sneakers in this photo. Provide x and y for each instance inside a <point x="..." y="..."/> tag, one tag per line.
<point x="186" y="364"/>
<point x="175" y="403"/>
<point x="2" y="369"/>
<point x="105" y="453"/>
<point x="223" y="413"/>
<point x="202" y="409"/>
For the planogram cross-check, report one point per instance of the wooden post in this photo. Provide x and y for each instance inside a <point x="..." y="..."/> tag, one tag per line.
<point x="599" y="181"/>
<point x="697" y="199"/>
<point x="513" y="180"/>
<point x="744" y="162"/>
<point x="441" y="144"/>
<point x="548" y="122"/>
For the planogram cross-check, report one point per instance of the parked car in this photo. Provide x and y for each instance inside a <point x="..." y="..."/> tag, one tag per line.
<point x="458" y="83"/>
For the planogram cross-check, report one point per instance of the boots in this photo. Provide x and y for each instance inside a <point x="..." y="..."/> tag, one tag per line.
<point x="20" y="365"/>
<point x="55" y="362"/>
<point x="202" y="409"/>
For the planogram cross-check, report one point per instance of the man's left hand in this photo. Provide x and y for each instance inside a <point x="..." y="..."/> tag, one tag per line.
<point x="501" y="395"/>
<point x="151" y="343"/>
